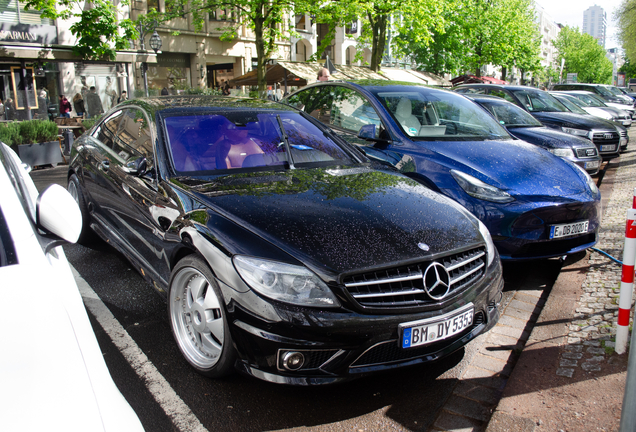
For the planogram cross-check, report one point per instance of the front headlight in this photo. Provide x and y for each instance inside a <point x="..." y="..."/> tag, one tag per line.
<point x="285" y="282"/>
<point x="588" y="179"/>
<point x="490" y="246"/>
<point x="561" y="152"/>
<point x="478" y="189"/>
<point x="577" y="132"/>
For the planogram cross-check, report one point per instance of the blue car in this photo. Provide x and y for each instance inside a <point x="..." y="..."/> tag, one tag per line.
<point x="535" y="204"/>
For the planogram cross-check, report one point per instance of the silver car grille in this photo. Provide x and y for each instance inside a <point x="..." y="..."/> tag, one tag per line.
<point x="403" y="287"/>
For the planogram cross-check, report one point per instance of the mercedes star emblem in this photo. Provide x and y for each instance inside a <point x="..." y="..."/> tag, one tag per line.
<point x="437" y="281"/>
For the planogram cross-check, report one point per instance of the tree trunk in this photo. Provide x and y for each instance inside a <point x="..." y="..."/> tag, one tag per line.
<point x="503" y="72"/>
<point x="261" y="67"/>
<point x="378" y="26"/>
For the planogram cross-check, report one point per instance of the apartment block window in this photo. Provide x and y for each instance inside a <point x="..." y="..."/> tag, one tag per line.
<point x="13" y="11"/>
<point x="152" y="4"/>
<point x="301" y="22"/>
<point x="222" y="15"/>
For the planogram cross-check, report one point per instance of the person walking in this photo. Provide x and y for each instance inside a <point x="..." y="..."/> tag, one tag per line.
<point x="122" y="97"/>
<point x="65" y="107"/>
<point x="78" y="104"/>
<point x="93" y="103"/>
<point x="1" y="110"/>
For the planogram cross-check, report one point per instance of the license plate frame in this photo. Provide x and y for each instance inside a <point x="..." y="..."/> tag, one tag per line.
<point x="608" y="147"/>
<point x="569" y="229"/>
<point x="450" y="324"/>
<point x="592" y="164"/>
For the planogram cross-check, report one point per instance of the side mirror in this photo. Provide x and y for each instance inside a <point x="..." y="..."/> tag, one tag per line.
<point x="58" y="215"/>
<point x="137" y="166"/>
<point x="368" y="132"/>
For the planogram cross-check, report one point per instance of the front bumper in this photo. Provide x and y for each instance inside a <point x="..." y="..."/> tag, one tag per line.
<point x="339" y="345"/>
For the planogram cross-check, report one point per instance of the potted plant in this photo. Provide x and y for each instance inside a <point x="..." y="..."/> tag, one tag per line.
<point x="35" y="141"/>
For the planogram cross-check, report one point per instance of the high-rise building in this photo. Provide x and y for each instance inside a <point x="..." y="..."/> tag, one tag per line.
<point x="595" y="23"/>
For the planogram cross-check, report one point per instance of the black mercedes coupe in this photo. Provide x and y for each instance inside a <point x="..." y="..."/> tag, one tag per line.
<point x="281" y="250"/>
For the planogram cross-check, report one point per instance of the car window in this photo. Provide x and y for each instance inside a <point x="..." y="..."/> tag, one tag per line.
<point x="600" y="90"/>
<point x="301" y="99"/>
<point x="431" y="114"/>
<point x="502" y="94"/>
<point x="106" y="131"/>
<point x="572" y="104"/>
<point x="239" y="140"/>
<point x="471" y="90"/>
<point x="133" y="139"/>
<point x="510" y="115"/>
<point x="539" y="101"/>
<point x="350" y="110"/>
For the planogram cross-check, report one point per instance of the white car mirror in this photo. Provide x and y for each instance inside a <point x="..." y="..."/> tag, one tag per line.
<point x="57" y="213"/>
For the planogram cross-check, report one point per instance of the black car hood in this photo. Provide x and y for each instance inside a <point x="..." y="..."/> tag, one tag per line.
<point x="546" y="137"/>
<point x="342" y="219"/>
<point x="563" y="119"/>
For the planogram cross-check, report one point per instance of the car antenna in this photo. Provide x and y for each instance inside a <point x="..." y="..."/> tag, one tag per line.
<point x="286" y="141"/>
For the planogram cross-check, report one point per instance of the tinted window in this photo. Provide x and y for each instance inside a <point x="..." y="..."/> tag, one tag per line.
<point x="509" y="114"/>
<point x="571" y="104"/>
<point x="426" y="113"/>
<point x="350" y="110"/>
<point x="133" y="139"/>
<point x="210" y="142"/>
<point x="471" y="90"/>
<point x="105" y="132"/>
<point x="301" y="99"/>
<point x="539" y="101"/>
<point x="502" y="94"/>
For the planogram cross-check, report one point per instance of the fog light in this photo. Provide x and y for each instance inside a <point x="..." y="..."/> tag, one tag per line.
<point x="293" y="360"/>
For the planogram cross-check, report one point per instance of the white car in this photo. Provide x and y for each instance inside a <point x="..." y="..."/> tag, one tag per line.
<point x="52" y="373"/>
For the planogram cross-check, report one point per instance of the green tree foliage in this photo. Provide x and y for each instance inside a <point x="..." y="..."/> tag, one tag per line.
<point x="625" y="17"/>
<point x="629" y="69"/>
<point x="99" y="29"/>
<point x="583" y="56"/>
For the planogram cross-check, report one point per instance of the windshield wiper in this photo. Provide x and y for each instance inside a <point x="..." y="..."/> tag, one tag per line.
<point x="286" y="141"/>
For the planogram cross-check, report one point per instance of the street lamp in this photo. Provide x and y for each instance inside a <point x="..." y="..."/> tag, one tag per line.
<point x="155" y="44"/>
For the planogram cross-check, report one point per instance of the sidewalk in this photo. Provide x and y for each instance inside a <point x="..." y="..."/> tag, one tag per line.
<point x="568" y="377"/>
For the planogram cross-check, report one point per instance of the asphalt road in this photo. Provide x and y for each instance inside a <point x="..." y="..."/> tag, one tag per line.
<point x="407" y="399"/>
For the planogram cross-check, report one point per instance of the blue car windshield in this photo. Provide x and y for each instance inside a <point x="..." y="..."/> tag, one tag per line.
<point x="248" y="140"/>
<point x="429" y="114"/>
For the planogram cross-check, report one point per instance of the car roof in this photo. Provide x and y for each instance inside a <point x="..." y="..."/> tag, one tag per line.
<point x="571" y="92"/>
<point x="370" y="83"/>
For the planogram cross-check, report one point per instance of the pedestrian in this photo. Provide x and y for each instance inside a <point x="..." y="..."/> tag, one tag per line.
<point x="226" y="88"/>
<point x="78" y="104"/>
<point x="8" y="109"/>
<point x="164" y="91"/>
<point x="122" y="97"/>
<point x="323" y="75"/>
<point x="65" y="107"/>
<point x="93" y="103"/>
<point x="1" y="110"/>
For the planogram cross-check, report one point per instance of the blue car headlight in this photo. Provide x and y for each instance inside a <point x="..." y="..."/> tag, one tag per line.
<point x="478" y="189"/>
<point x="588" y="179"/>
<point x="285" y="282"/>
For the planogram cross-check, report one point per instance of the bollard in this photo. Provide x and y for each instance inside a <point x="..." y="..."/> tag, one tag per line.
<point x="627" y="282"/>
<point x="634" y="200"/>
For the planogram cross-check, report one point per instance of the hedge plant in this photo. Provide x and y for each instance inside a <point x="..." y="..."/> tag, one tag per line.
<point x="28" y="132"/>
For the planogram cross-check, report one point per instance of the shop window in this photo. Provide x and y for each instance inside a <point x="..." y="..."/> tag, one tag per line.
<point x="13" y="11"/>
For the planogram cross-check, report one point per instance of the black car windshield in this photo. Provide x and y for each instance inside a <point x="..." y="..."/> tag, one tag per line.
<point x="248" y="140"/>
<point x="510" y="115"/>
<point x="613" y="90"/>
<point x="605" y="92"/>
<point x="590" y="99"/>
<point x="572" y="104"/>
<point x="428" y="114"/>
<point x="539" y="101"/>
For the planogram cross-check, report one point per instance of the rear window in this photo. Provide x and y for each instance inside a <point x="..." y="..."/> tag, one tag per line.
<point x="242" y="140"/>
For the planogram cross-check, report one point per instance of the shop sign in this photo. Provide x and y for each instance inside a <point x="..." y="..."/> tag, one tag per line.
<point x="42" y="34"/>
<point x="173" y="60"/>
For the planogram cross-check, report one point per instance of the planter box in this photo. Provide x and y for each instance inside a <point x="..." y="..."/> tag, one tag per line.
<point x="48" y="153"/>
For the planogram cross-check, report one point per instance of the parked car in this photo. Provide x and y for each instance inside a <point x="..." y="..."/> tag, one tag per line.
<point x="452" y="145"/>
<point x="575" y="105"/>
<point x="282" y="250"/>
<point x="52" y="371"/>
<point x="552" y="113"/>
<point x="593" y="105"/>
<point x="523" y="126"/>
<point x="600" y="89"/>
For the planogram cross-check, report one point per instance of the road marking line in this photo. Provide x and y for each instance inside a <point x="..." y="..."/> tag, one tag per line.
<point x="180" y="414"/>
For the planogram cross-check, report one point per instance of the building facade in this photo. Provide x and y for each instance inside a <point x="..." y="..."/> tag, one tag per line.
<point x="595" y="23"/>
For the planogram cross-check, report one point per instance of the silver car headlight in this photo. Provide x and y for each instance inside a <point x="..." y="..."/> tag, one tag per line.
<point x="490" y="246"/>
<point x="561" y="152"/>
<point x="588" y="179"/>
<point x="478" y="189"/>
<point x="285" y="282"/>
<point x="577" y="132"/>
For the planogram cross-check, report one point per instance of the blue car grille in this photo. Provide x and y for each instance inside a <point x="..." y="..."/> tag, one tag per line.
<point x="403" y="287"/>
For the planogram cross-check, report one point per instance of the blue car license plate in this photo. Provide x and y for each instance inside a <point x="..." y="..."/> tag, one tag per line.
<point x="422" y="332"/>
<point x="565" y="230"/>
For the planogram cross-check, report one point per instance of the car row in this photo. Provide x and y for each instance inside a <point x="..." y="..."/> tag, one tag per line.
<point x="358" y="227"/>
<point x="608" y="93"/>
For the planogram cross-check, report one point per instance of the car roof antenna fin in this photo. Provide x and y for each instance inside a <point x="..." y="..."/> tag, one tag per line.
<point x="286" y="141"/>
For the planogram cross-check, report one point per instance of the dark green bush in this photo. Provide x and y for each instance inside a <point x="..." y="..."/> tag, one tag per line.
<point x="28" y="132"/>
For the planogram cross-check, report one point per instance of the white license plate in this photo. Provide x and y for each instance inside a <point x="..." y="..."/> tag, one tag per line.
<point x="566" y="230"/>
<point x="608" y="147"/>
<point x="592" y="165"/>
<point x="417" y="333"/>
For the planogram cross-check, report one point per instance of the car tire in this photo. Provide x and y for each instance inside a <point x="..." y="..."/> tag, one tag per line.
<point x="86" y="236"/>
<point x="199" y="320"/>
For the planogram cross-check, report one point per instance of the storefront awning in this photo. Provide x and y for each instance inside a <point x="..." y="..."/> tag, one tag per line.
<point x="303" y="73"/>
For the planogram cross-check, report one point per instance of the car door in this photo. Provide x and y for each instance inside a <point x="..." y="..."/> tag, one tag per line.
<point x="98" y="176"/>
<point x="142" y="220"/>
